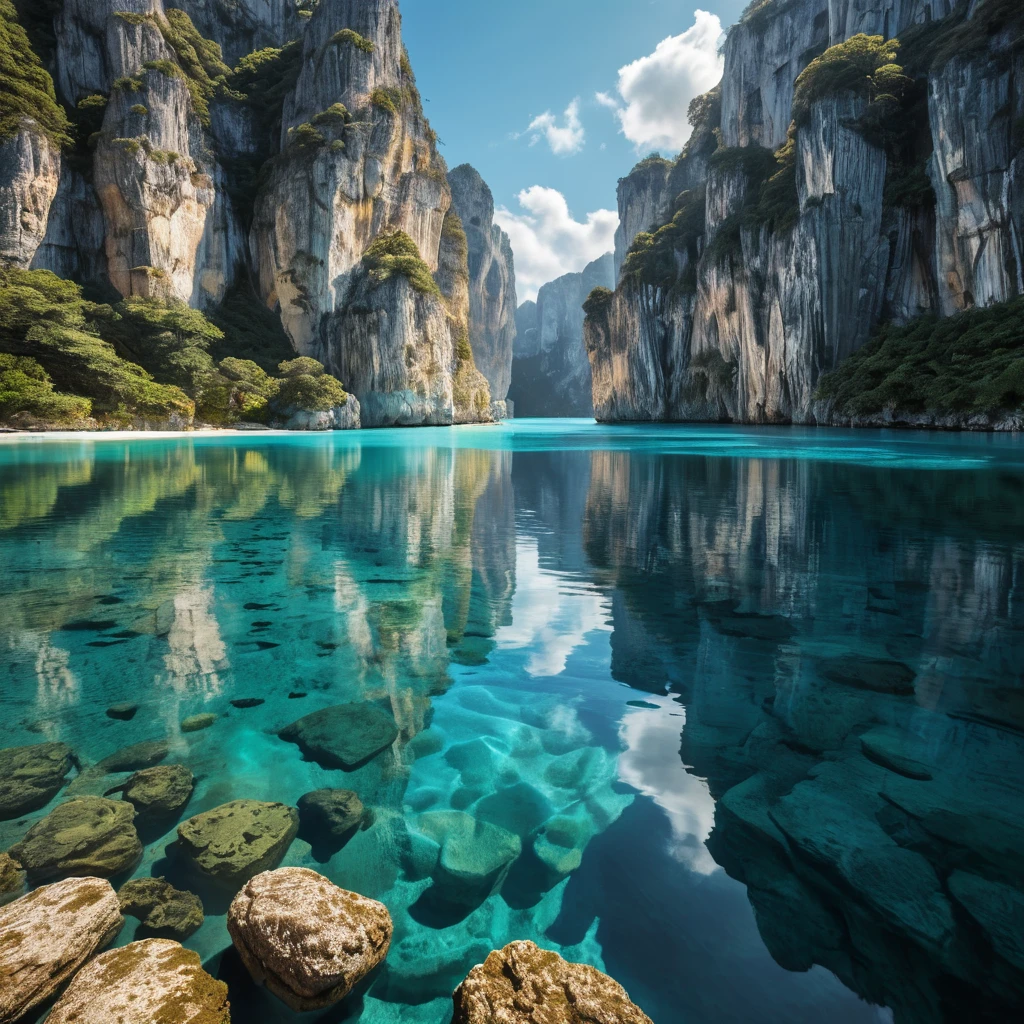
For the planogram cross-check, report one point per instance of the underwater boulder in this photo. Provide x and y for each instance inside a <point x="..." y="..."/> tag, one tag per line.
<point x="328" y="817"/>
<point x="12" y="879"/>
<point x="160" y="792"/>
<point x="142" y="983"/>
<point x="30" y="777"/>
<point x="345" y="736"/>
<point x="85" y="836"/>
<point x="238" y="840"/>
<point x="122" y="712"/>
<point x="197" y="723"/>
<point x="874" y="674"/>
<point x="47" y="935"/>
<point x="523" y="984"/>
<point x="307" y="940"/>
<point x="164" y="912"/>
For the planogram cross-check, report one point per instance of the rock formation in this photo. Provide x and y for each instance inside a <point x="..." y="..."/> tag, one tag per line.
<point x="344" y="736"/>
<point x="12" y="879"/>
<point x="152" y="980"/>
<point x="47" y="935"/>
<point x="523" y="983"/>
<point x="214" y="142"/>
<point x="238" y="840"/>
<point x="492" y="280"/>
<point x="551" y="372"/>
<point x="30" y="777"/>
<point x="159" y="792"/>
<point x="882" y="204"/>
<point x="304" y="938"/>
<point x="164" y="912"/>
<point x="85" y="836"/>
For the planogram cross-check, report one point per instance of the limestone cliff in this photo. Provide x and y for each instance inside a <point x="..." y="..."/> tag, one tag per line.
<point x="492" y="282"/>
<point x="551" y="373"/>
<point x="805" y="211"/>
<point x="214" y="143"/>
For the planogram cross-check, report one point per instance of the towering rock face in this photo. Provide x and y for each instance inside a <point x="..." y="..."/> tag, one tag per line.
<point x="492" y="282"/>
<point x="272" y="141"/>
<point x="767" y="274"/>
<point x="551" y="373"/>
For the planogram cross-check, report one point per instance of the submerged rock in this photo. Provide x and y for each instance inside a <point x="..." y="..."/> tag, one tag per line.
<point x="134" y="758"/>
<point x="12" y="879"/>
<point x="123" y="712"/>
<point x="160" y="792"/>
<point x="523" y="984"/>
<point x="327" y="817"/>
<point x="47" y="935"/>
<point x="30" y="777"/>
<point x="997" y="909"/>
<point x="147" y="982"/>
<point x="248" y="702"/>
<point x="304" y="938"/>
<point x="238" y="840"/>
<point x="165" y="912"/>
<point x="345" y="736"/>
<point x="86" y="836"/>
<point x="890" y="751"/>
<point x="196" y="723"/>
<point x="878" y="676"/>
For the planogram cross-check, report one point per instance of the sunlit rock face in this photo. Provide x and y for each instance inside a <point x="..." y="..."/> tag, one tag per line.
<point x="854" y="728"/>
<point x="752" y="325"/>
<point x="551" y="371"/>
<point x="29" y="177"/>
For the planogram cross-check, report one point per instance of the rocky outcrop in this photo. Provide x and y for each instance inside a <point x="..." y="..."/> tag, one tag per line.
<point x="86" y="836"/>
<point x="492" y="281"/>
<point x="12" y="879"/>
<point x="304" y="938"/>
<point x="739" y="312"/>
<point x="46" y="936"/>
<point x="551" y="373"/>
<point x="30" y="167"/>
<point x="344" y="736"/>
<point x="160" y="792"/>
<point x="238" y="840"/>
<point x="30" y="777"/>
<point x="163" y="911"/>
<point x="329" y="817"/>
<point x="341" y="417"/>
<point x="152" y="980"/>
<point x="523" y="983"/>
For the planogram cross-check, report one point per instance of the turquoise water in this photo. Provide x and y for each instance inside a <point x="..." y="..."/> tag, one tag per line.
<point x="660" y="656"/>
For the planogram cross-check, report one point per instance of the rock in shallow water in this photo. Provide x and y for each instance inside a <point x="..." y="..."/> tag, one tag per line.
<point x="304" y="938"/>
<point x="522" y="984"/>
<point x="344" y="736"/>
<point x="160" y="792"/>
<point x="47" y="935"/>
<point x="12" y="879"/>
<point x="30" y="777"/>
<point x="196" y="723"/>
<point x="328" y="816"/>
<point x="165" y="912"/>
<point x="123" y="712"/>
<point x="87" y="836"/>
<point x="238" y="840"/>
<point x="148" y="982"/>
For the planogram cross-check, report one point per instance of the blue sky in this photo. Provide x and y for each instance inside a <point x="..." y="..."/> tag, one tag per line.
<point x="531" y="94"/>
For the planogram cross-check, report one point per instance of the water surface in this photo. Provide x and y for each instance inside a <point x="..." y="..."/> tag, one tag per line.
<point x="686" y="666"/>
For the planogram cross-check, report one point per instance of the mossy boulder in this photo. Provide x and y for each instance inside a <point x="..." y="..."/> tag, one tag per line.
<point x="155" y="981"/>
<point x="345" y="736"/>
<point x="92" y="780"/>
<point x="12" y="879"/>
<point x="160" y="792"/>
<point x="196" y="723"/>
<point x="30" y="777"/>
<point x="86" y="836"/>
<point x="165" y="912"/>
<point x="328" y="817"/>
<point x="238" y="840"/>
<point x="46" y="936"/>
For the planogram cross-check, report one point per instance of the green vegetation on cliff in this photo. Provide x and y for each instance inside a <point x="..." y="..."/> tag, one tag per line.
<point x="667" y="258"/>
<point x="27" y="395"/>
<point x="394" y="252"/>
<point x="26" y="89"/>
<point x="972" y="362"/>
<point x="305" y="385"/>
<point x="598" y="302"/>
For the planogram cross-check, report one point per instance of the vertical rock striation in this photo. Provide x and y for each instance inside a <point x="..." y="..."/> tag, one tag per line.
<point x="765" y="274"/>
<point x="551" y="372"/>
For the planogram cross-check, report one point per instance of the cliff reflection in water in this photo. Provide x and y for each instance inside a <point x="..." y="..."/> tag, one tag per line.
<point x="824" y="662"/>
<point x="848" y="643"/>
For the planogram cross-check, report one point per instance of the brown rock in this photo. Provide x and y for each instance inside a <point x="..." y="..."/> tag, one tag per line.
<point x="30" y="777"/>
<point x="523" y="984"/>
<point x="87" y="836"/>
<point x="304" y="938"/>
<point x="198" y="722"/>
<point x="12" y="879"/>
<point x="165" y="912"/>
<point x="148" y="982"/>
<point x="47" y="935"/>
<point x="160" y="792"/>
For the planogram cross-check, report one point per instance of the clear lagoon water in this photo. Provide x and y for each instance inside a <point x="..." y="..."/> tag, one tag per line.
<point x="751" y="700"/>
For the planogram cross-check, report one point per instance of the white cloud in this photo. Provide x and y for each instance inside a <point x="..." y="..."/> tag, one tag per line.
<point x="548" y="242"/>
<point x="656" y="90"/>
<point x="564" y="140"/>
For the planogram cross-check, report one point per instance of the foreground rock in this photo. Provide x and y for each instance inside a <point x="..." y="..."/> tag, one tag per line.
<point x="87" y="836"/>
<point x="345" y="736"/>
<point x="47" y="935"/>
<point x="165" y="912"/>
<point x="12" y="879"/>
<point x="522" y="984"/>
<point x="30" y="777"/>
<point x="328" y="817"/>
<point x="148" y="982"/>
<point x="92" y="780"/>
<point x="238" y="840"/>
<point x="304" y="938"/>
<point x="160" y="792"/>
<point x="196" y="723"/>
